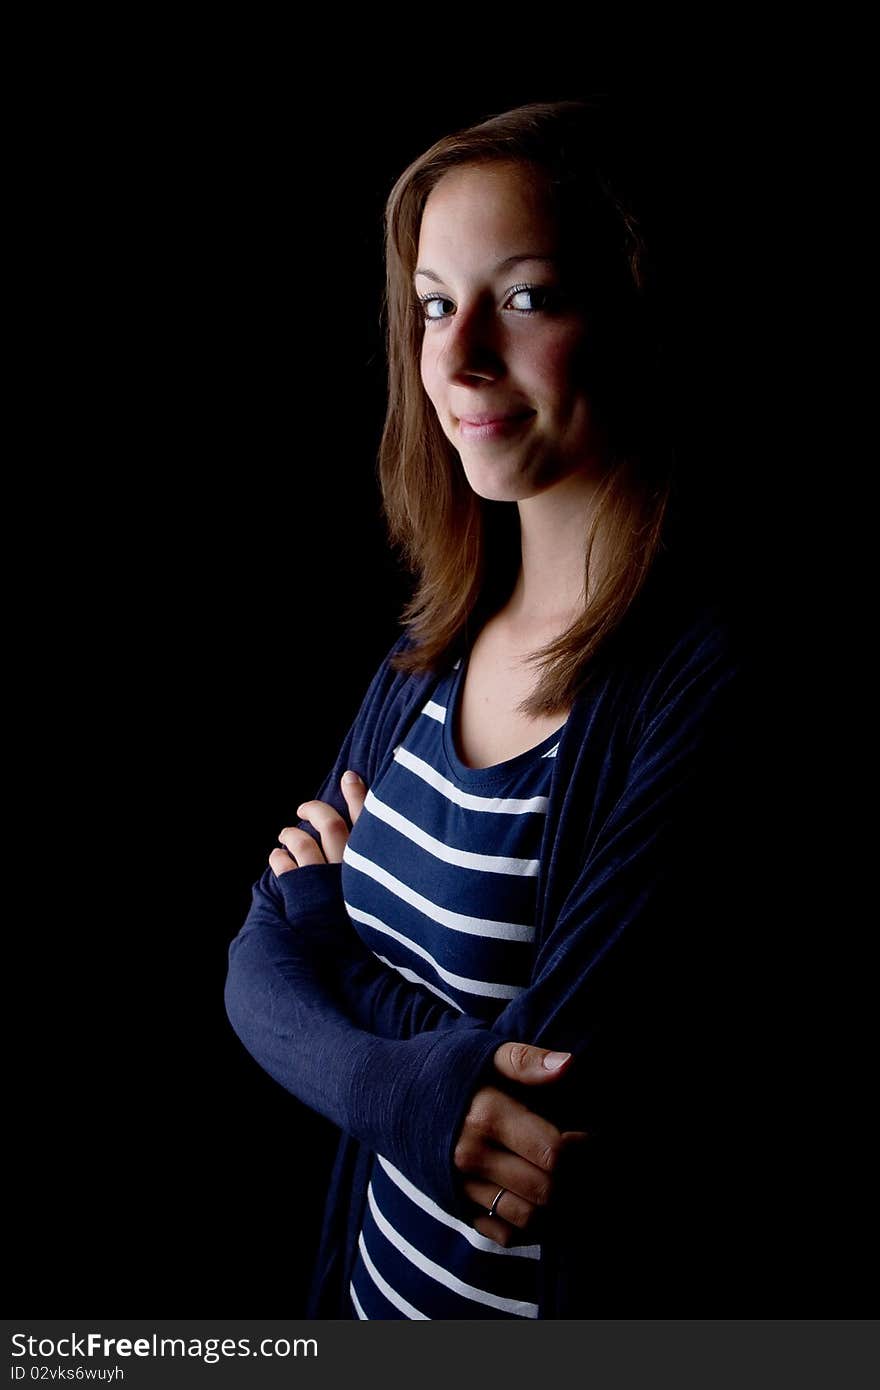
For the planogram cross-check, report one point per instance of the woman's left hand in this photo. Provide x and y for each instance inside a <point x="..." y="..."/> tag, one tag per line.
<point x="300" y="847"/>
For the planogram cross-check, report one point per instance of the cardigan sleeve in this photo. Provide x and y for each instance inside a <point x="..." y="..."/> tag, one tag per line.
<point x="403" y="1095"/>
<point x="405" y="1098"/>
<point x="373" y="995"/>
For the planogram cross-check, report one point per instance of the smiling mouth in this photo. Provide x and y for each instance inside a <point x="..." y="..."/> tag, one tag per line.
<point x="489" y="419"/>
<point x="494" y="427"/>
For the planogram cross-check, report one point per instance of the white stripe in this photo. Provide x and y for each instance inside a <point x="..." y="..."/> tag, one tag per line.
<point x="491" y="1247"/>
<point x="435" y="711"/>
<point x="485" y="988"/>
<point x="417" y="980"/>
<point x="356" y="1301"/>
<point x="456" y="921"/>
<point x="501" y="805"/>
<point x="465" y="859"/>
<point x="384" y="1287"/>
<point x="551" y="752"/>
<point x="517" y="1306"/>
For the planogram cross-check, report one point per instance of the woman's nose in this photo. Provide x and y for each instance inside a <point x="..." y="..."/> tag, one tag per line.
<point x="472" y="344"/>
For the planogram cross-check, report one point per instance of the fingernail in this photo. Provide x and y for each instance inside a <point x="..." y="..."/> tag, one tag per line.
<point x="554" y="1060"/>
<point x="575" y="1139"/>
<point x="351" y="778"/>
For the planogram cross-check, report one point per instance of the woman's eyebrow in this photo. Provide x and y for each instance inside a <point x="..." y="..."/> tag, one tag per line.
<point x="502" y="265"/>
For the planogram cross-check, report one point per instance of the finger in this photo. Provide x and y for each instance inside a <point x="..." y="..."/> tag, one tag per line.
<point x="491" y="1226"/>
<point x="512" y="1209"/>
<point x="528" y="1064"/>
<point x="301" y="845"/>
<point x="528" y="1185"/>
<point x="523" y="1180"/>
<point x="331" y="827"/>
<point x="280" y="862"/>
<point x="355" y="793"/>
<point x="500" y="1119"/>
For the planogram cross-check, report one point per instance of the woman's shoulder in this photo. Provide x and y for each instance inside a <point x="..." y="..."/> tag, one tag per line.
<point x="394" y="690"/>
<point x="679" y="655"/>
<point x="687" y="617"/>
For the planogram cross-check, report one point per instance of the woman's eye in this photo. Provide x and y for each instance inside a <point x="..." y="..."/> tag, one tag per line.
<point x="427" y="300"/>
<point x="540" y="297"/>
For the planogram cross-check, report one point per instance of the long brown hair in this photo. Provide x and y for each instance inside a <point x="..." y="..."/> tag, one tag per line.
<point x="463" y="549"/>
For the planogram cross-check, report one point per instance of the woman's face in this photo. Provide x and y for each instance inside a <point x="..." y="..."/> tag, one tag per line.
<point x="502" y="337"/>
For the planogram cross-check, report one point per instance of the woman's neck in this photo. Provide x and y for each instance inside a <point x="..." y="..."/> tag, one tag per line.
<point x="549" y="592"/>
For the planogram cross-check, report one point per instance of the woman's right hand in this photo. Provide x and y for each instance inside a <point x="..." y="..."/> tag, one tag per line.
<point x="504" y="1144"/>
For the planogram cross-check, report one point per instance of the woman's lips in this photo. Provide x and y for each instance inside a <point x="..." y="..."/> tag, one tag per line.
<point x="493" y="427"/>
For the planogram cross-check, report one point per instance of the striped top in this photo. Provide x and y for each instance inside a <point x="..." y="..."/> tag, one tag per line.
<point x="439" y="877"/>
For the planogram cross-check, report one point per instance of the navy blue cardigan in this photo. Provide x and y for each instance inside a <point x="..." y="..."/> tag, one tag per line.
<point x="630" y="974"/>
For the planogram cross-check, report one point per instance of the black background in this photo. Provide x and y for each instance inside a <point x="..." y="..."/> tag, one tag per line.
<point x="204" y="591"/>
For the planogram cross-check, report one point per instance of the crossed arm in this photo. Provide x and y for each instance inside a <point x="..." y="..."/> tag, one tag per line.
<point x="310" y="1002"/>
<point x="502" y="1142"/>
<point x="388" y="1062"/>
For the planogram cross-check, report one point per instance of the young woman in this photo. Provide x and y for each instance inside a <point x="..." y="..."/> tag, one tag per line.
<point x="477" y="957"/>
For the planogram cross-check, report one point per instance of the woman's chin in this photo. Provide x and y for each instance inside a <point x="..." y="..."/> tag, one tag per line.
<point x="498" y="483"/>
